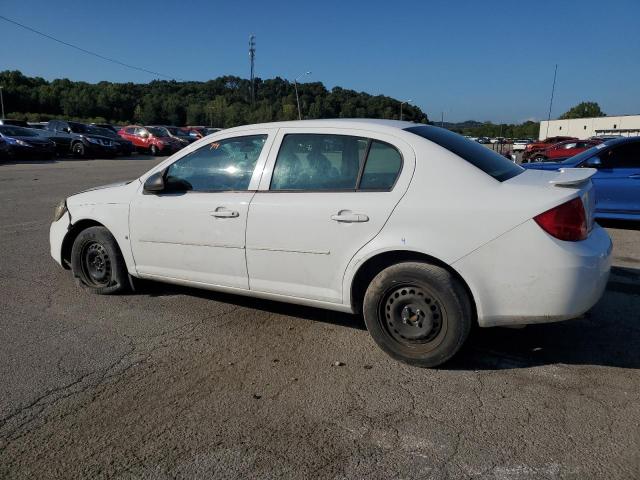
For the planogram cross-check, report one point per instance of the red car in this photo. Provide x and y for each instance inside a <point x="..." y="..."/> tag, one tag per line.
<point x="150" y="139"/>
<point x="565" y="149"/>
<point x="536" y="147"/>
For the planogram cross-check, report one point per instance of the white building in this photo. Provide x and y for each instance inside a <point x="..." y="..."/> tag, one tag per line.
<point x="625" y="125"/>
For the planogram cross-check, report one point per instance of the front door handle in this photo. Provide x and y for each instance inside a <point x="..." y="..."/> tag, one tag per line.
<point x="635" y="176"/>
<point x="347" y="216"/>
<point x="222" y="212"/>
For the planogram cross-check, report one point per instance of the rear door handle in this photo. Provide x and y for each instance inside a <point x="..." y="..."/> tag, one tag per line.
<point x="346" y="216"/>
<point x="222" y="212"/>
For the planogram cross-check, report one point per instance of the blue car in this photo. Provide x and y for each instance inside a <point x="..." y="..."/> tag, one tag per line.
<point x="617" y="182"/>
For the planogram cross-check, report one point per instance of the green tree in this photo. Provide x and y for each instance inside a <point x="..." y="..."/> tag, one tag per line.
<point x="584" y="110"/>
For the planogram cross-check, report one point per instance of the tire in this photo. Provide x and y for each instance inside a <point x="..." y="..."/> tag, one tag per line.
<point x="96" y="262"/>
<point x="153" y="150"/>
<point x="539" y="158"/>
<point x="79" y="150"/>
<point x="417" y="313"/>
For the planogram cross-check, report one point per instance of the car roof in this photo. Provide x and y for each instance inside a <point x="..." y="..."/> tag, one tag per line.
<point x="356" y="123"/>
<point x="618" y="141"/>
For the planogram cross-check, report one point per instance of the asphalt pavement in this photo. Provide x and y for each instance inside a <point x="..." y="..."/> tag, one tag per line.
<point x="174" y="382"/>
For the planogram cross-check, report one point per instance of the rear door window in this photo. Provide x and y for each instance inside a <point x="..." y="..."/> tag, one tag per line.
<point x="477" y="155"/>
<point x="327" y="162"/>
<point x="318" y="162"/>
<point x="383" y="166"/>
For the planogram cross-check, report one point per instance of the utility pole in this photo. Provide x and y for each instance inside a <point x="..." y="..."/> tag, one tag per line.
<point x="441" y="119"/>
<point x="401" y="104"/>
<point x="553" y="89"/>
<point x="252" y="56"/>
<point x="295" y="85"/>
<point x="2" y="102"/>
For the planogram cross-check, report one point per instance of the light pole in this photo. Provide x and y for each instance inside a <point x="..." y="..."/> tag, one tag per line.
<point x="2" y="102"/>
<point x="295" y="85"/>
<point x="401" y="104"/>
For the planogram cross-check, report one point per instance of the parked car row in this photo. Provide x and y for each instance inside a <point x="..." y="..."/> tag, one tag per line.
<point x="518" y="143"/>
<point x="44" y="140"/>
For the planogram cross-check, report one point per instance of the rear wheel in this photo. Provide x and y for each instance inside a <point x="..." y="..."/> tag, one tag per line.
<point x="417" y="313"/>
<point x="96" y="262"/>
<point x="539" y="158"/>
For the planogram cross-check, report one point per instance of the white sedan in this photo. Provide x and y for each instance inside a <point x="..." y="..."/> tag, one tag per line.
<point x="520" y="145"/>
<point x="424" y="232"/>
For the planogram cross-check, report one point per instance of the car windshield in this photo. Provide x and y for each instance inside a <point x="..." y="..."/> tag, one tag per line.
<point x="100" y="131"/>
<point x="78" y="127"/>
<point x="481" y="157"/>
<point x="12" y="131"/>
<point x="157" y="132"/>
<point x="175" y="131"/>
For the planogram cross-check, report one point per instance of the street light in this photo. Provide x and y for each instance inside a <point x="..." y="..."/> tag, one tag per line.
<point x="2" y="102"/>
<point x="295" y="85"/>
<point x="406" y="101"/>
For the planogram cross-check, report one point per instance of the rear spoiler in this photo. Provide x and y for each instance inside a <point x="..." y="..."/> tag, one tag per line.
<point x="572" y="177"/>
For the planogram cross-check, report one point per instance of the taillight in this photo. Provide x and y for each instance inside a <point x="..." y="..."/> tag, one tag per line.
<point x="565" y="222"/>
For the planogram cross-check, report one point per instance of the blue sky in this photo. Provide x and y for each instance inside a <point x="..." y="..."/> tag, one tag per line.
<point x="490" y="60"/>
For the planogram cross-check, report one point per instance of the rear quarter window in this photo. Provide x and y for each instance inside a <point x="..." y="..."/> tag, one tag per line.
<point x="479" y="156"/>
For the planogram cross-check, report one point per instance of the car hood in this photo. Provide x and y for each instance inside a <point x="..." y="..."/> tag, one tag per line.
<point x="34" y="140"/>
<point x="99" y="137"/>
<point x="102" y="187"/>
<point x="113" y="193"/>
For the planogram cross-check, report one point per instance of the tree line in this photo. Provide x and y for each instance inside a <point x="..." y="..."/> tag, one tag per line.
<point x="221" y="102"/>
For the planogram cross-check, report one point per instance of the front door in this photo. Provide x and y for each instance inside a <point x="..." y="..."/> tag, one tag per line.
<point x="617" y="183"/>
<point x="322" y="198"/>
<point x="195" y="230"/>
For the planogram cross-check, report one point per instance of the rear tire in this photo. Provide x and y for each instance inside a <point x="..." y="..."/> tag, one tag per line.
<point x="417" y="313"/>
<point x="96" y="262"/>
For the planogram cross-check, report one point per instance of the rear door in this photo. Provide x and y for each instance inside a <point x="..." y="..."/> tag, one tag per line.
<point x="325" y="193"/>
<point x="617" y="183"/>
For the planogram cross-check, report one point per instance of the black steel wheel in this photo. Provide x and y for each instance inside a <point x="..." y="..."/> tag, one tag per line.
<point x="78" y="149"/>
<point x="418" y="313"/>
<point x="97" y="263"/>
<point x="412" y="314"/>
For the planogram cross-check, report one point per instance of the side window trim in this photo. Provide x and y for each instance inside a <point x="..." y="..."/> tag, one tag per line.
<point x="361" y="169"/>
<point x="390" y="189"/>
<point x="219" y="143"/>
<point x="258" y="171"/>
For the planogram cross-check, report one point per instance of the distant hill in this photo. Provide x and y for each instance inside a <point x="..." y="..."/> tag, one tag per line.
<point x="220" y="102"/>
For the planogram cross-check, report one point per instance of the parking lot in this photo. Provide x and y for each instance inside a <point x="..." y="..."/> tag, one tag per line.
<point x="173" y="382"/>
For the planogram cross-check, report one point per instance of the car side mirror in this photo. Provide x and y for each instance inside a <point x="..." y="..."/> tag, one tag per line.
<point x="154" y="184"/>
<point x="593" y="162"/>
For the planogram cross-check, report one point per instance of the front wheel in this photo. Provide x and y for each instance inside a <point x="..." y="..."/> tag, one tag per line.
<point x="418" y="313"/>
<point x="96" y="262"/>
<point x="154" y="150"/>
<point x="79" y="150"/>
